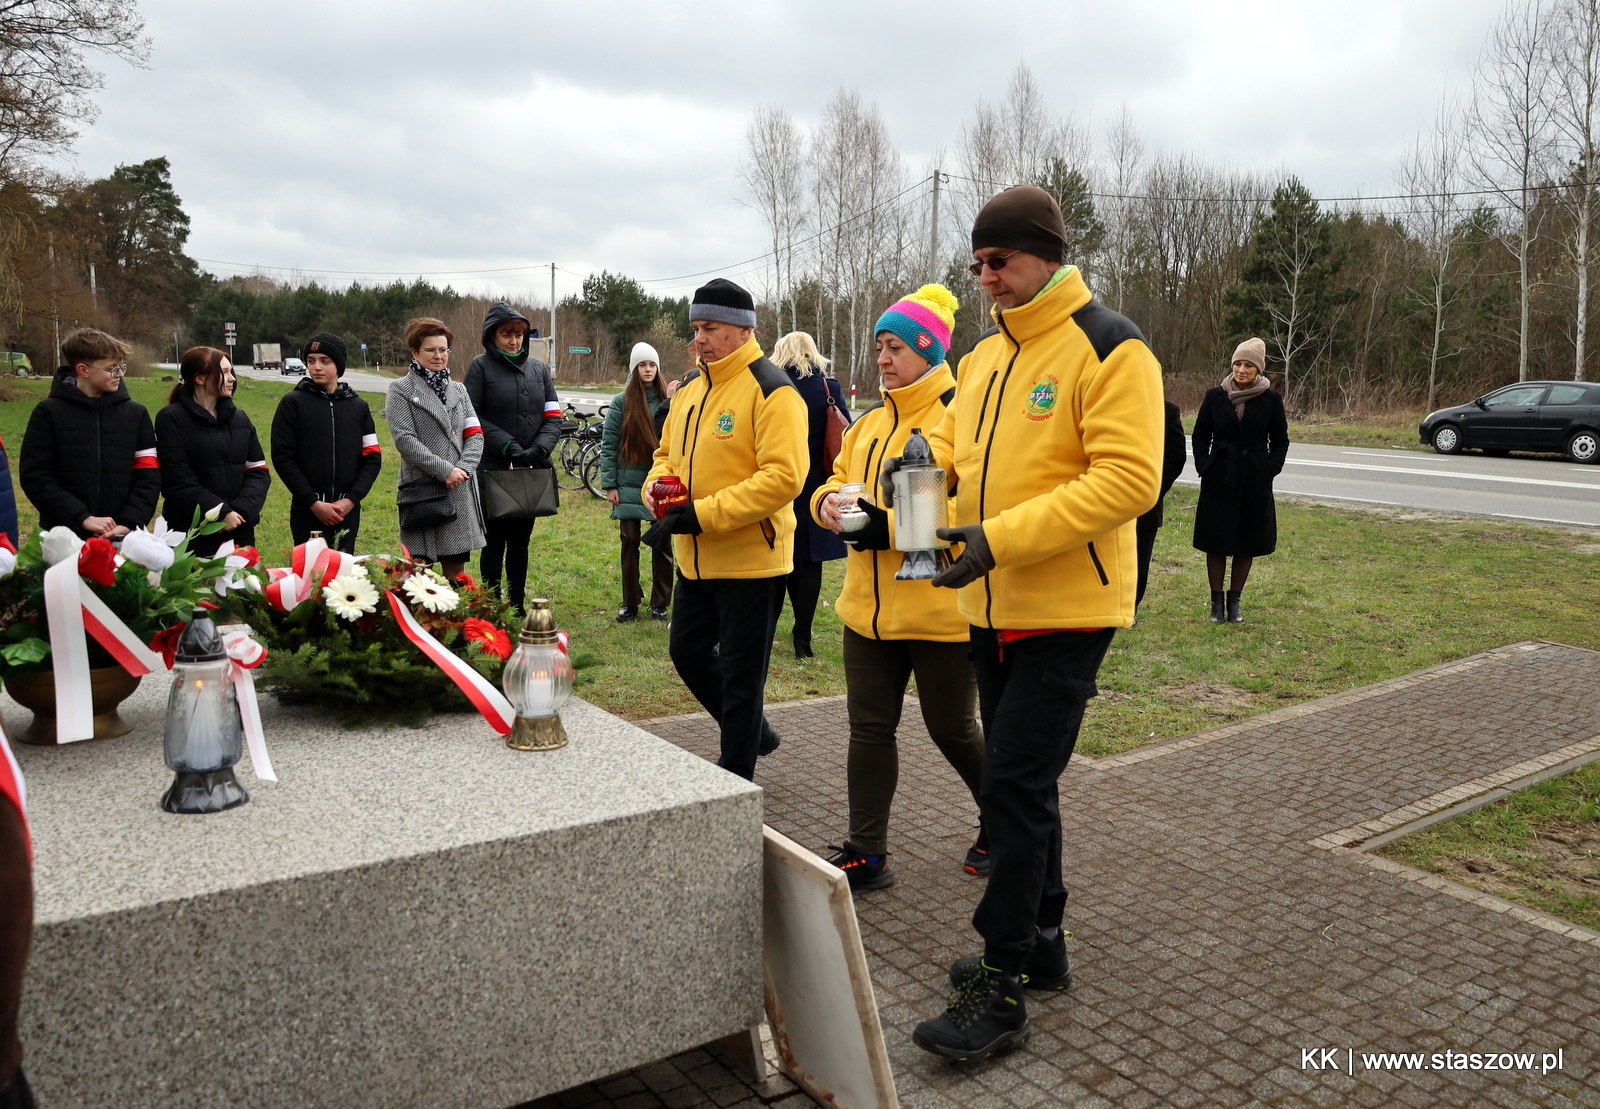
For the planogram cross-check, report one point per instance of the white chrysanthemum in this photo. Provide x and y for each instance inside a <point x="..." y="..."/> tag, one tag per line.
<point x="431" y="593"/>
<point x="350" y="596"/>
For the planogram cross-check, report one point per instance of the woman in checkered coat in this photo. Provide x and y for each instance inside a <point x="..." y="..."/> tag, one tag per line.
<point x="437" y="435"/>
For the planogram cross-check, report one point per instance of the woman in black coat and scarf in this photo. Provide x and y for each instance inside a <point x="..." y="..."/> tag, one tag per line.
<point x="1241" y="438"/>
<point x="210" y="456"/>
<point x="797" y="353"/>
<point x="516" y="402"/>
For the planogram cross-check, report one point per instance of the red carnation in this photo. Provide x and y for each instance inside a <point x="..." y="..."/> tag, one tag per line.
<point x="495" y="641"/>
<point x="166" y="642"/>
<point x="251" y="556"/>
<point x="464" y="580"/>
<point x="98" y="561"/>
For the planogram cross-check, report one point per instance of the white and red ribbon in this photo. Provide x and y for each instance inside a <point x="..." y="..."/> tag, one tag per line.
<point x="12" y="787"/>
<point x="484" y="697"/>
<point x="244" y="655"/>
<point x="312" y="566"/>
<point x="70" y="610"/>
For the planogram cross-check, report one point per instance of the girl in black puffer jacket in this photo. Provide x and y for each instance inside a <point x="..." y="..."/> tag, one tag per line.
<point x="210" y="456"/>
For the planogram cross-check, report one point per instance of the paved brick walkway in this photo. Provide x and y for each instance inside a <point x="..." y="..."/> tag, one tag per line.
<point x="1224" y="922"/>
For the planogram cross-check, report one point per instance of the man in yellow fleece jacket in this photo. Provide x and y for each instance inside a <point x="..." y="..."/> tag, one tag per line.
<point x="1053" y="446"/>
<point x="736" y="437"/>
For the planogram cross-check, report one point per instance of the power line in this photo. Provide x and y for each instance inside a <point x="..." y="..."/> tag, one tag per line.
<point x="505" y="270"/>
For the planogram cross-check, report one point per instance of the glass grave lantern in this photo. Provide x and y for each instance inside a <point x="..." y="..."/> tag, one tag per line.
<point x="852" y="517"/>
<point x="538" y="681"/>
<point x="204" y="735"/>
<point x="921" y="507"/>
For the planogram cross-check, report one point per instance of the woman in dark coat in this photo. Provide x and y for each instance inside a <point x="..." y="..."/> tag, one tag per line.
<point x="631" y="436"/>
<point x="209" y="454"/>
<point x="797" y="353"/>
<point x="1241" y="438"/>
<point x="515" y="400"/>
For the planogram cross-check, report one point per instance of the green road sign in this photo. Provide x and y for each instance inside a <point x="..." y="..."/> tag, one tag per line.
<point x="579" y="350"/>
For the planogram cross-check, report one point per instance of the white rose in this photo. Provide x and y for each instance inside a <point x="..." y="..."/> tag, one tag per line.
<point x="59" y="544"/>
<point x="147" y="550"/>
<point x="8" y="563"/>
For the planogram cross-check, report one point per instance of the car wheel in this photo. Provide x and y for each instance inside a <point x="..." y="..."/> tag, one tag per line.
<point x="1447" y="439"/>
<point x="1584" y="446"/>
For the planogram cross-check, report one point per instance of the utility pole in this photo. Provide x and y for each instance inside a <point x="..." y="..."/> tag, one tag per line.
<point x="55" y="305"/>
<point x="552" y="321"/>
<point x="933" y="235"/>
<point x="94" y="292"/>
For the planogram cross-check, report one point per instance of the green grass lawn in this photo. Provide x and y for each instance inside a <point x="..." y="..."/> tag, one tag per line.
<point x="1539" y="847"/>
<point x="1351" y="597"/>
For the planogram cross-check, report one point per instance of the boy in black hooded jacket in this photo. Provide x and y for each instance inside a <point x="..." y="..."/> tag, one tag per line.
<point x="89" y="454"/>
<point x="325" y="448"/>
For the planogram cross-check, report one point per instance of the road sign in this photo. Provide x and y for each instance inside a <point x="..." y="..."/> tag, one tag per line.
<point x="579" y="350"/>
<point x="363" y="346"/>
<point x="229" y="327"/>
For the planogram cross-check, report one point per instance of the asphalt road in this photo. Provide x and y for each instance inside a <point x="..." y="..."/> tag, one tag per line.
<point x="1547" y="489"/>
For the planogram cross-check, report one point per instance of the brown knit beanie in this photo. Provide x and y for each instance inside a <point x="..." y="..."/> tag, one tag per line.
<point x="1253" y="351"/>
<point x="1023" y="217"/>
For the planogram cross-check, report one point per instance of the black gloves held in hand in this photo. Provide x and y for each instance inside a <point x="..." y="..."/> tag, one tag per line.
<point x="679" y="520"/>
<point x="874" y="536"/>
<point x="976" y="561"/>
<point x="530" y="456"/>
<point x="886" y="469"/>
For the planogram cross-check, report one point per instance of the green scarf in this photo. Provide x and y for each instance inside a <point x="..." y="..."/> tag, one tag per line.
<point x="517" y="360"/>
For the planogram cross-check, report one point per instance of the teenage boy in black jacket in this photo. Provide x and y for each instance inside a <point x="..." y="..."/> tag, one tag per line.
<point x="89" y="454"/>
<point x="325" y="448"/>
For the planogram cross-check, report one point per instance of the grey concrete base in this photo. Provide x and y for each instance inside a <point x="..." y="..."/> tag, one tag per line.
<point x="409" y="917"/>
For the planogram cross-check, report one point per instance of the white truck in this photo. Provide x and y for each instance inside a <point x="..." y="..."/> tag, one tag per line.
<point x="267" y="356"/>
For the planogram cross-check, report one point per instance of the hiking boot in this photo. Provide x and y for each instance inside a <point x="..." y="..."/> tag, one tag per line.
<point x="769" y="740"/>
<point x="978" y="856"/>
<point x="1046" y="968"/>
<point x="1219" y="610"/>
<point x="986" y="1016"/>
<point x="1235" y="612"/>
<point x="865" y="872"/>
<point x="658" y="612"/>
<point x="627" y="613"/>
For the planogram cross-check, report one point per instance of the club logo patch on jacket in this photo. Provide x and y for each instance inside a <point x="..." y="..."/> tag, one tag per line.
<point x="724" y="428"/>
<point x="1042" y="397"/>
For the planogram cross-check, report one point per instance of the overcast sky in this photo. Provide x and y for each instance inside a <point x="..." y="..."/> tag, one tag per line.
<point x="404" y="138"/>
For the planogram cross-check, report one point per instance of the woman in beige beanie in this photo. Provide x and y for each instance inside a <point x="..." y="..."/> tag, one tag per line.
<point x="1241" y="437"/>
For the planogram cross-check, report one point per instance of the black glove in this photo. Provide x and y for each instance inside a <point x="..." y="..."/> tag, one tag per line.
<point x="976" y="561"/>
<point x="874" y="534"/>
<point x="886" y="470"/>
<point x="679" y="520"/>
<point x="531" y="456"/>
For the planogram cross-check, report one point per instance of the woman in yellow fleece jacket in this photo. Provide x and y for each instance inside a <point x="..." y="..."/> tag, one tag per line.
<point x="896" y="628"/>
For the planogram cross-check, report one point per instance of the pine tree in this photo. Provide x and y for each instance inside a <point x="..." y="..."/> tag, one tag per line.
<point x="1288" y="291"/>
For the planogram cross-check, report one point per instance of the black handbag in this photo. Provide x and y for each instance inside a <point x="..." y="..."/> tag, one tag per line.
<point x="519" y="494"/>
<point x="424" y="502"/>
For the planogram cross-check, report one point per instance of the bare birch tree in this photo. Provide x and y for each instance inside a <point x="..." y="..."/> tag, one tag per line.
<point x="1511" y="127"/>
<point x="1575" y="65"/>
<point x="836" y="178"/>
<point x="1436" y="219"/>
<point x="1124" y="162"/>
<point x="773" y="173"/>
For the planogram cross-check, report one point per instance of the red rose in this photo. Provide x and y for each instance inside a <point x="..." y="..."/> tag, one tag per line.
<point x="98" y="561"/>
<point x="166" y="642"/>
<point x="251" y="556"/>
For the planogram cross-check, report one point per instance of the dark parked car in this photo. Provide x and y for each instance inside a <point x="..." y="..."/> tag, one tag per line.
<point x="1554" y="416"/>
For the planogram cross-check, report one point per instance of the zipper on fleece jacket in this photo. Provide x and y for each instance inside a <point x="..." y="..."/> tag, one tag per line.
<point x="1099" y="569"/>
<point x="696" y="411"/>
<point x="876" y="602"/>
<point x="988" y="448"/>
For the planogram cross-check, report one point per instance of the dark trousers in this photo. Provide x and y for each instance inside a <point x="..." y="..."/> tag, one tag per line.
<point x="507" y="543"/>
<point x="1032" y="701"/>
<point x="804" y="586"/>
<point x="1146" y="546"/>
<point x="660" y="570"/>
<point x="17" y="1095"/>
<point x="876" y="672"/>
<point x="721" y="643"/>
<point x="340" y="537"/>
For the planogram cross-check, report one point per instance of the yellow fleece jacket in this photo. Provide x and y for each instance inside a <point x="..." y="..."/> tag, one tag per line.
<point x="872" y="603"/>
<point x="736" y="437"/>
<point x="1055" y="441"/>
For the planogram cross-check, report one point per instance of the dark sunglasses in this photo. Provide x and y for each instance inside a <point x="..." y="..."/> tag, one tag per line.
<point x="997" y="263"/>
